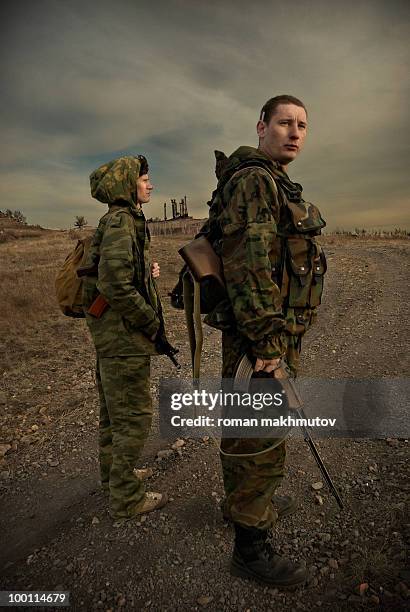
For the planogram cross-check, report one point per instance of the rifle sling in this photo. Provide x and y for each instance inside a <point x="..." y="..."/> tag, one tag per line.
<point x="193" y="322"/>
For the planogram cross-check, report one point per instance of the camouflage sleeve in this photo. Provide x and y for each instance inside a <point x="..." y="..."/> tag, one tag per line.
<point x="116" y="275"/>
<point x="248" y="224"/>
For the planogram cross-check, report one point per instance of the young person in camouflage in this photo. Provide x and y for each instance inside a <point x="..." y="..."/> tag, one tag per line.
<point x="274" y="270"/>
<point x="125" y="334"/>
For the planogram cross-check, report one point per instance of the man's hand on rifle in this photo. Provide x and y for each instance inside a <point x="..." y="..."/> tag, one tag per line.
<point x="266" y="365"/>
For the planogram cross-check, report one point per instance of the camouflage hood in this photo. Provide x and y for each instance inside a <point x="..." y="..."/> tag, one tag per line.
<point x="116" y="180"/>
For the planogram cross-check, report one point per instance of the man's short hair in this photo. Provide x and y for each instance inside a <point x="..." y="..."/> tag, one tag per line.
<point x="269" y="108"/>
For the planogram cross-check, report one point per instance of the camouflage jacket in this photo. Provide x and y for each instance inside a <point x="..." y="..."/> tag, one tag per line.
<point x="274" y="285"/>
<point x="120" y="247"/>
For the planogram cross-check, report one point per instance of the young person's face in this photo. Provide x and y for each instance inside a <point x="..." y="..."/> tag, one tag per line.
<point x="283" y="137"/>
<point x="144" y="188"/>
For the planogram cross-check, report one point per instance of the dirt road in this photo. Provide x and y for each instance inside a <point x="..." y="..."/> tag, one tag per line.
<point x="56" y="532"/>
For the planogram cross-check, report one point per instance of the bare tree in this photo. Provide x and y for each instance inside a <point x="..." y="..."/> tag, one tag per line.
<point x="80" y="221"/>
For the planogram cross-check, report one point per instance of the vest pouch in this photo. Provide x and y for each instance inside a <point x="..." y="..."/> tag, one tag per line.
<point x="319" y="269"/>
<point x="299" y="320"/>
<point x="306" y="217"/>
<point x="299" y="263"/>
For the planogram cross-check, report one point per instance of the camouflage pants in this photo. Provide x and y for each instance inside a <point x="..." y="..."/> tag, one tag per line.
<point x="249" y="482"/>
<point x="125" y="421"/>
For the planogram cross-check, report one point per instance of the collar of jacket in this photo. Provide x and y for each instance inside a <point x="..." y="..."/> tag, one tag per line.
<point x="135" y="209"/>
<point x="247" y="156"/>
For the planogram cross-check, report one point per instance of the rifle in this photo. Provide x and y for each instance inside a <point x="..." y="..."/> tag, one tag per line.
<point x="161" y="343"/>
<point x="164" y="347"/>
<point x="100" y="305"/>
<point x="243" y="375"/>
<point x="295" y="403"/>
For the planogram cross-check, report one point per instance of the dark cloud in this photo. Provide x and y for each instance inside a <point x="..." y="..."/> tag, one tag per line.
<point x="84" y="82"/>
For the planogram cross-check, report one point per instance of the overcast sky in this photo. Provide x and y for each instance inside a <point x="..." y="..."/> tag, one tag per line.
<point x="84" y="82"/>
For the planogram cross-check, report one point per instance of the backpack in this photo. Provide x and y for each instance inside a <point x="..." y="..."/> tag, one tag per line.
<point x="68" y="284"/>
<point x="210" y="289"/>
<point x="197" y="293"/>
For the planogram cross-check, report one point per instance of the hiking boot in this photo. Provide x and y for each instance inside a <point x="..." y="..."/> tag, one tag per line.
<point x="143" y="473"/>
<point x="254" y="558"/>
<point x="152" y="501"/>
<point x="285" y="505"/>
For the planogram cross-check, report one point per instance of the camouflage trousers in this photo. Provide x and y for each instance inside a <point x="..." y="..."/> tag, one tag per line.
<point x="125" y="421"/>
<point x="249" y="481"/>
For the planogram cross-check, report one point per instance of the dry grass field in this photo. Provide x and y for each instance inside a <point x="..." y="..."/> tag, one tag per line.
<point x="54" y="520"/>
<point x="28" y="272"/>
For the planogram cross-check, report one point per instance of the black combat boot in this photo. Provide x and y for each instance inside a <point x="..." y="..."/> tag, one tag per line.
<point x="254" y="558"/>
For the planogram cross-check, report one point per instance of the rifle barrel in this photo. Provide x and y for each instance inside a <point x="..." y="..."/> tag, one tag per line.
<point x="175" y="362"/>
<point x="319" y="461"/>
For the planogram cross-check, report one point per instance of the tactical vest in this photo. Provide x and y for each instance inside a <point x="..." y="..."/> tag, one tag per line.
<point x="298" y="261"/>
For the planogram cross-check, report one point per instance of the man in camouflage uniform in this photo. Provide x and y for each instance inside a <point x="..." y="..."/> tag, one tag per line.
<point x="125" y="334"/>
<point x="274" y="277"/>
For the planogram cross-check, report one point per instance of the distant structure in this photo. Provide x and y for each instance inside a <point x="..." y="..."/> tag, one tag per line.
<point x="179" y="209"/>
<point x="183" y="210"/>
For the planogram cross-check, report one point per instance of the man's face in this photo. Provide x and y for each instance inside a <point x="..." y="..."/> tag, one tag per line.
<point x="144" y="188"/>
<point x="283" y="137"/>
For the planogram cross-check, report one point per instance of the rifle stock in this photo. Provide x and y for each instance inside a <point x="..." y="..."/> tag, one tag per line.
<point x="98" y="307"/>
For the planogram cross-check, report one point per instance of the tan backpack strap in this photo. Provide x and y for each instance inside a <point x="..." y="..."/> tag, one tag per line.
<point x="189" y="314"/>
<point x="198" y="331"/>
<point x="192" y="307"/>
